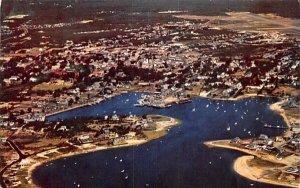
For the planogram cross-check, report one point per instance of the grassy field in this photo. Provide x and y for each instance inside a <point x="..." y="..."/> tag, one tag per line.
<point x="52" y="86"/>
<point x="151" y="135"/>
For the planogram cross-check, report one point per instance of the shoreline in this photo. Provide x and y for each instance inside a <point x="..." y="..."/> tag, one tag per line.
<point x="98" y="148"/>
<point x="246" y="172"/>
<point x="33" y="167"/>
<point x="241" y="97"/>
<point x="240" y="166"/>
<point x="83" y="105"/>
<point x="95" y="102"/>
<point x="89" y="148"/>
<point x="275" y="107"/>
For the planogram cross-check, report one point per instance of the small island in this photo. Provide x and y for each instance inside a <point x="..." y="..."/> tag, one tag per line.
<point x="40" y="142"/>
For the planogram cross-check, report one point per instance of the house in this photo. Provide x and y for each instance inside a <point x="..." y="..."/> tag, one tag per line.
<point x="3" y="140"/>
<point x="295" y="144"/>
<point x="296" y="128"/>
<point x="263" y="137"/>
<point x="63" y="128"/>
<point x="118" y="140"/>
<point x="115" y="118"/>
<point x="60" y="73"/>
<point x="33" y="79"/>
<point x="83" y="139"/>
<point x="12" y="80"/>
<point x="253" y="89"/>
<point x="236" y="140"/>
<point x="97" y="74"/>
<point x="129" y="135"/>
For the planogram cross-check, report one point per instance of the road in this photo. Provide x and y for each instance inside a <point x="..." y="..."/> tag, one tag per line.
<point x="21" y="157"/>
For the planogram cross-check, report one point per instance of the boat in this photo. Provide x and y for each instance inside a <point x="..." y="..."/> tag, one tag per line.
<point x="274" y="126"/>
<point x="228" y="128"/>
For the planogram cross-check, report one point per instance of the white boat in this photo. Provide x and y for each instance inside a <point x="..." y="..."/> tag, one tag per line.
<point x="122" y="170"/>
<point x="228" y="128"/>
<point x="193" y="110"/>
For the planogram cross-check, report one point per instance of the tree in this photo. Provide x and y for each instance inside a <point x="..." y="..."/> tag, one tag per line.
<point x="29" y="110"/>
<point x="56" y="93"/>
<point x="70" y="102"/>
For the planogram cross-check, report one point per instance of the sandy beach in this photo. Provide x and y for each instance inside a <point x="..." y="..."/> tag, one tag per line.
<point x="254" y="173"/>
<point x="257" y="173"/>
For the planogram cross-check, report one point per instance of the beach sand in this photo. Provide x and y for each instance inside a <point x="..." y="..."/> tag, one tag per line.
<point x="242" y="167"/>
<point x="255" y="173"/>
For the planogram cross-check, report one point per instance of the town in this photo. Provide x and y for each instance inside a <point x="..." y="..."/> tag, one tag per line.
<point x="169" y="62"/>
<point x="78" y="74"/>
